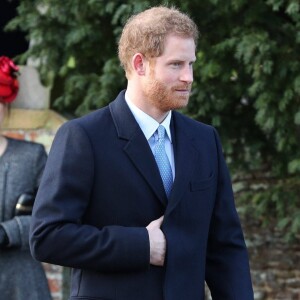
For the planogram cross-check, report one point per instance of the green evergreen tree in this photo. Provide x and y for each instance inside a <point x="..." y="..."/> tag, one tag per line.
<point x="247" y="81"/>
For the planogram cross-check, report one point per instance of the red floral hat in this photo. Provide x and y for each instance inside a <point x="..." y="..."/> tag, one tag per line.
<point x="9" y="85"/>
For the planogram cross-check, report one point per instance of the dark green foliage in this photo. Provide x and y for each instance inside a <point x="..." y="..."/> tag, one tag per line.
<point x="247" y="81"/>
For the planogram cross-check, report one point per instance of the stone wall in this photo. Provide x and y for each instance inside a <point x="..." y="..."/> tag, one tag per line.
<point x="55" y="280"/>
<point x="275" y="263"/>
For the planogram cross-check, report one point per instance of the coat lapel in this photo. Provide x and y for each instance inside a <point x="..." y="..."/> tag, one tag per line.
<point x="137" y="147"/>
<point x="185" y="157"/>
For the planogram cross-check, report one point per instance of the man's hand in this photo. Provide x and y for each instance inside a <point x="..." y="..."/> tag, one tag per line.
<point x="158" y="243"/>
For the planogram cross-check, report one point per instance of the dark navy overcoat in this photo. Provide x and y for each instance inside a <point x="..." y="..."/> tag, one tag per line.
<point x="101" y="187"/>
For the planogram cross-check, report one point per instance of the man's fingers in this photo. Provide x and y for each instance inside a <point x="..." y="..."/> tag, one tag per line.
<point x="156" y="223"/>
<point x="159" y="221"/>
<point x="157" y="242"/>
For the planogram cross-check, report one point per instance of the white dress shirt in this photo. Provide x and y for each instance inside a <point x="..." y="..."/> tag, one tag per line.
<point x="149" y="127"/>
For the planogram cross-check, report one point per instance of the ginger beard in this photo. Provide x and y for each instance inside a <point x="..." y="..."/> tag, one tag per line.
<point x="166" y="97"/>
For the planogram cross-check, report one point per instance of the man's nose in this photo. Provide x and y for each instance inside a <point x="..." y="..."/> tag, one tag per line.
<point x="187" y="74"/>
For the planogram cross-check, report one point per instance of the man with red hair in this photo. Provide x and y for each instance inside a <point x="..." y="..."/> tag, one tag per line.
<point x="136" y="197"/>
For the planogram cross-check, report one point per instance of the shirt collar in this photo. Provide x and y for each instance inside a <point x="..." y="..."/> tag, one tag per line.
<point x="147" y="123"/>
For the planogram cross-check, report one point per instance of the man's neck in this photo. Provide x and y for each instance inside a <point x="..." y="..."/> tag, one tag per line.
<point x="138" y="100"/>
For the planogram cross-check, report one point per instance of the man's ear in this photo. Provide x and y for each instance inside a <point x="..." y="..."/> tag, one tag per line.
<point x="139" y="64"/>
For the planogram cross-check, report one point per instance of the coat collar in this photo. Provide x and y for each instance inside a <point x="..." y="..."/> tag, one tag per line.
<point x="139" y="152"/>
<point x="137" y="147"/>
<point x="186" y="154"/>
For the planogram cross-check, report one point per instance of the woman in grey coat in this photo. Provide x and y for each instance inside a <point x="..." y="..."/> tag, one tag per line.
<point x="21" y="166"/>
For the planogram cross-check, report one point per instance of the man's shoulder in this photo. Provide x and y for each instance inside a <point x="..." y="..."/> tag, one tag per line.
<point x="91" y="120"/>
<point x="102" y="115"/>
<point x="101" y="118"/>
<point x="93" y="124"/>
<point x="94" y="116"/>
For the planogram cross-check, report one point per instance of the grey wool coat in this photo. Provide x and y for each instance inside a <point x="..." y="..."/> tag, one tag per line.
<point x="21" y="277"/>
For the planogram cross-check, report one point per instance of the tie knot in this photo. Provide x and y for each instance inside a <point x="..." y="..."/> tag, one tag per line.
<point x="161" y="132"/>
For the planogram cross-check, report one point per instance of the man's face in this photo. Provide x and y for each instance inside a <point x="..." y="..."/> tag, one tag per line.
<point x="169" y="81"/>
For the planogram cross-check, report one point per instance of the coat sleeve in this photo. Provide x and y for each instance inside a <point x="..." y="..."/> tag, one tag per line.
<point x="227" y="264"/>
<point x="58" y="235"/>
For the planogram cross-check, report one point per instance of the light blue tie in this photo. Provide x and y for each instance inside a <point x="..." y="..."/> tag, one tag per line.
<point x="162" y="160"/>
